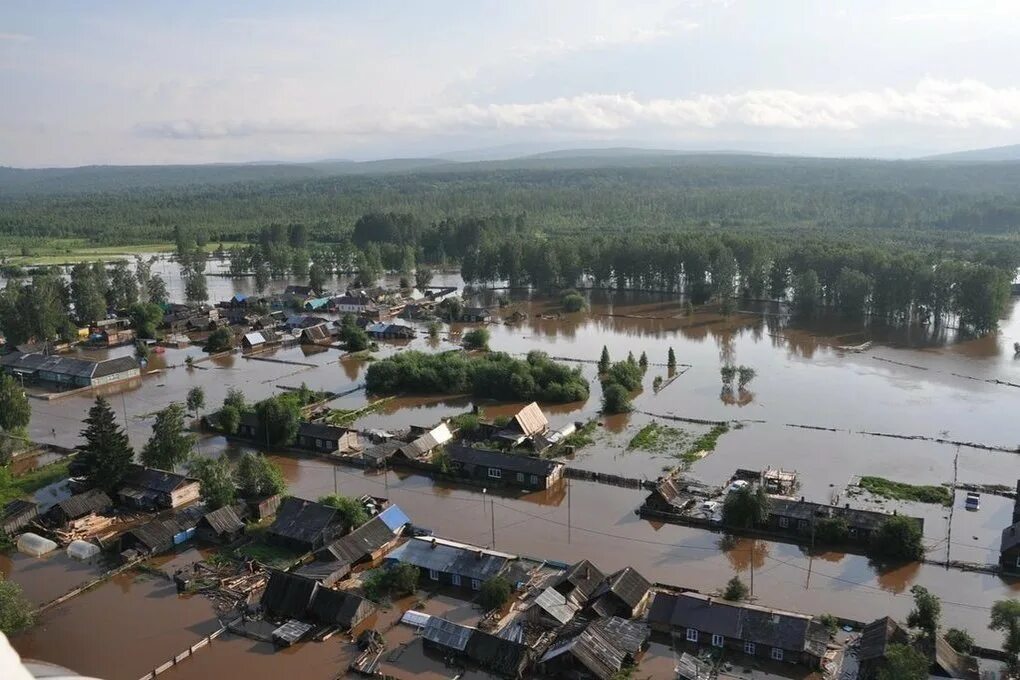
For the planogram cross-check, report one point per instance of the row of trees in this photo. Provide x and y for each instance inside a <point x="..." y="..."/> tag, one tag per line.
<point x="897" y="283"/>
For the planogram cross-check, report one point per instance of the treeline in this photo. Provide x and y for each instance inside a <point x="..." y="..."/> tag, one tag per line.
<point x="664" y="194"/>
<point x="494" y="375"/>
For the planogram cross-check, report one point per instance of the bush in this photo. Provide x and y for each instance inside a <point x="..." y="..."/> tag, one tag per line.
<point x="399" y="580"/>
<point x="494" y="593"/>
<point x="477" y="338"/>
<point x="938" y="495"/>
<point x="832" y="531"/>
<point x="960" y="640"/>
<point x="220" y="340"/>
<point x="615" y="399"/>
<point x="279" y="419"/>
<point x="15" y="609"/>
<point x="573" y="301"/>
<point x="745" y="508"/>
<point x="898" y="539"/>
<point x="735" y="590"/>
<point x="229" y="419"/>
<point x="353" y="513"/>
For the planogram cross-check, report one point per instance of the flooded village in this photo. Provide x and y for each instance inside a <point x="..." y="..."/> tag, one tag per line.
<point x="452" y="535"/>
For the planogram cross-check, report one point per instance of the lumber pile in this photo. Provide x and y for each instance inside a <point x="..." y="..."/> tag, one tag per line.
<point x="85" y="528"/>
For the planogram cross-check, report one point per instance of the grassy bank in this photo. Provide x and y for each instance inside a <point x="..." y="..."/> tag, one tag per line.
<point x="67" y="251"/>
<point x="30" y="482"/>
<point x="886" y="488"/>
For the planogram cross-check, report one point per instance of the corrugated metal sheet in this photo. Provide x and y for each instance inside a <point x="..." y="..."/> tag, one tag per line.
<point x="413" y="617"/>
<point x="447" y="633"/>
<point x="394" y="518"/>
<point x="554" y="604"/>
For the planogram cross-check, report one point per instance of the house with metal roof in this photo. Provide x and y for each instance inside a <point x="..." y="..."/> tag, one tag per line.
<point x="503" y="469"/>
<point x="551" y="609"/>
<point x="351" y="303"/>
<point x="702" y="620"/>
<point x="293" y="596"/>
<point x="798" y="518"/>
<point x="304" y="526"/>
<point x="79" y="505"/>
<point x="326" y="438"/>
<point x="320" y="334"/>
<point x="600" y="650"/>
<point x="69" y="371"/>
<point x="326" y="572"/>
<point x="450" y="563"/>
<point x="151" y="489"/>
<point x="370" y="541"/>
<point x="260" y="339"/>
<point x="316" y="304"/>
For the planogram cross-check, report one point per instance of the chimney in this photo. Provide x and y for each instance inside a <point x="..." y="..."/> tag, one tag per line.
<point x="587" y="573"/>
<point x="478" y="554"/>
<point x="802" y="499"/>
<point x="847" y="506"/>
<point x="432" y="544"/>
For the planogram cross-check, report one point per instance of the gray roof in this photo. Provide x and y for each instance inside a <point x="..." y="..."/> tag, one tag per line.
<point x="158" y="535"/>
<point x="82" y="504"/>
<point x="159" y="481"/>
<point x="584" y="577"/>
<point x="327" y="570"/>
<point x="360" y="543"/>
<point x="855" y="517"/>
<point x="630" y="636"/>
<point x="382" y="451"/>
<point x="224" y="520"/>
<point x="321" y="431"/>
<point x="288" y="594"/>
<point x="114" y="366"/>
<point x="302" y="520"/>
<point x="528" y="465"/>
<point x="466" y="561"/>
<point x="750" y="623"/>
<point x="627" y="585"/>
<point x="446" y="633"/>
<point x="878" y="635"/>
<point x="75" y="367"/>
<point x="339" y="608"/>
<point x="555" y="605"/>
<point x="598" y="649"/>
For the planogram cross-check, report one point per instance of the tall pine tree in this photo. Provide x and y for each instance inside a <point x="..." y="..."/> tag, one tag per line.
<point x="106" y="454"/>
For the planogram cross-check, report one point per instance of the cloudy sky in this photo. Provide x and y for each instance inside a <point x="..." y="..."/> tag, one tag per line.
<point x="194" y="81"/>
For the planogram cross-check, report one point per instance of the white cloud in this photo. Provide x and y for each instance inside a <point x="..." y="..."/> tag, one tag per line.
<point x="609" y="39"/>
<point x="931" y="103"/>
<point x="15" y="37"/>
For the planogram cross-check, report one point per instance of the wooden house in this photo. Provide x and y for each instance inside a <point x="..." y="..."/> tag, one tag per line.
<point x="152" y="489"/>
<point x="602" y="649"/>
<point x="450" y="563"/>
<point x="369" y="542"/>
<point x="78" y="506"/>
<point x="327" y="438"/>
<point x="503" y="469"/>
<point x="304" y="526"/>
<point x="220" y="526"/>
<point x="262" y="508"/>
<point x="17" y="515"/>
<point x="624" y="593"/>
<point x="697" y="620"/>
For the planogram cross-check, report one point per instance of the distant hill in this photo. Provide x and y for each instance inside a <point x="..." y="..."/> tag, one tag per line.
<point x="994" y="154"/>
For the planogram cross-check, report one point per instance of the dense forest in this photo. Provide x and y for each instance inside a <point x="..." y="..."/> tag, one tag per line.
<point x="562" y="195"/>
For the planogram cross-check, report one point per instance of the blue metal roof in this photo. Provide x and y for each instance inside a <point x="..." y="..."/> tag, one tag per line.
<point x="394" y="518"/>
<point x="240" y="297"/>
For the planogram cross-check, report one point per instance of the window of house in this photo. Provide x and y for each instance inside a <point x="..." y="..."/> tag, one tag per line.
<point x="476" y="584"/>
<point x="433" y="574"/>
<point x="692" y="635"/>
<point x="777" y="654"/>
<point x="783" y="523"/>
<point x="749" y="648"/>
<point x="802" y="524"/>
<point x="319" y="443"/>
<point x="520" y="477"/>
<point x="717" y="640"/>
<point x="495" y="473"/>
<point x="534" y="480"/>
<point x="455" y="579"/>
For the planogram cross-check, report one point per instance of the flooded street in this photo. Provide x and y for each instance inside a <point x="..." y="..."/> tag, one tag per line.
<point x="909" y="382"/>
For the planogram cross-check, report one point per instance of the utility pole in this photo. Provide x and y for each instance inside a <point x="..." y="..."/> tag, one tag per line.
<point x="336" y="485"/>
<point x="752" y="567"/>
<point x="492" y="514"/>
<point x="568" y="510"/>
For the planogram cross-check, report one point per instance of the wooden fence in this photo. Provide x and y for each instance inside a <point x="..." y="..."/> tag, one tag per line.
<point x="178" y="658"/>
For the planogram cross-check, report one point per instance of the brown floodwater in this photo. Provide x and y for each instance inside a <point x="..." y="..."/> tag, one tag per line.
<point x="120" y="630"/>
<point x="44" y="579"/>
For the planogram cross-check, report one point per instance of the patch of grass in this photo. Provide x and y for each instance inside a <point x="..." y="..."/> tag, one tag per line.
<point x="61" y="251"/>
<point x="657" y="437"/>
<point x="583" y="436"/>
<point x="703" y="445"/>
<point x="887" y="488"/>
<point x="342" y="417"/>
<point x="30" y="482"/>
<point x="272" y="556"/>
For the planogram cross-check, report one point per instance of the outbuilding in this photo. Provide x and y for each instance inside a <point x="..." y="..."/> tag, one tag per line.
<point x="152" y="489"/>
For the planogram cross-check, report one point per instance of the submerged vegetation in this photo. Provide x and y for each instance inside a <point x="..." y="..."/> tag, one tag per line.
<point x="494" y="376"/>
<point x="886" y="488"/>
<point x="658" y="438"/>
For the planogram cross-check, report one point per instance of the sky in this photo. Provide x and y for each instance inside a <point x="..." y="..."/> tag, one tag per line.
<point x="200" y="82"/>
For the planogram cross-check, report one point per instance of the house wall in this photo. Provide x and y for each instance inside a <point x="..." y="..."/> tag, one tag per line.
<point x="117" y="377"/>
<point x="736" y="645"/>
<point x="446" y="579"/>
<point x="1009" y="559"/>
